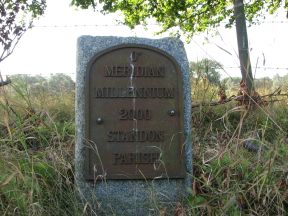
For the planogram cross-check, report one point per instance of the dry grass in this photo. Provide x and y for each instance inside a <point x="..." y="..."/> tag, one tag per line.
<point x="230" y="176"/>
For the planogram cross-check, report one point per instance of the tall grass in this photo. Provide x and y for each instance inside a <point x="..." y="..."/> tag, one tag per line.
<point x="240" y="157"/>
<point x="36" y="153"/>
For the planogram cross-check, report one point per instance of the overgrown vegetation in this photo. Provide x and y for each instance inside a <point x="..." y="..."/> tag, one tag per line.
<point x="240" y="156"/>
<point x="36" y="142"/>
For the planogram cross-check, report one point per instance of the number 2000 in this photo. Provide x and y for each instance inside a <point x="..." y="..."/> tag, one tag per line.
<point x="138" y="114"/>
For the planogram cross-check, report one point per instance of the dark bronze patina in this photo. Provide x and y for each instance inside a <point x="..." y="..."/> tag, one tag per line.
<point x="134" y="117"/>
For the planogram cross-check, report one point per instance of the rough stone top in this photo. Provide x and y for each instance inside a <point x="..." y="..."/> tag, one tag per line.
<point x="88" y="46"/>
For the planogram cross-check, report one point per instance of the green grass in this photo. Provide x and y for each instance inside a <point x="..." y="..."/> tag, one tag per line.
<point x="230" y="179"/>
<point x="36" y="157"/>
<point x="37" y="153"/>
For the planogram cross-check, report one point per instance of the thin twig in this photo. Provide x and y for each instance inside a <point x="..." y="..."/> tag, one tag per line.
<point x="243" y="98"/>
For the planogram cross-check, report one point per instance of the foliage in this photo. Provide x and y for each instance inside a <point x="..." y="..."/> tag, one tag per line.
<point x="206" y="69"/>
<point x="186" y="16"/>
<point x="61" y="82"/>
<point x="280" y="81"/>
<point x="231" y="84"/>
<point x="36" y="152"/>
<point x="55" y="84"/>
<point x="16" y="18"/>
<point x="263" y="85"/>
<point x="205" y="91"/>
<point x="29" y="80"/>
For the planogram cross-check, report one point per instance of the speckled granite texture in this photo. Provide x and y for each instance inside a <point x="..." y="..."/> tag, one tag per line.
<point x="130" y="197"/>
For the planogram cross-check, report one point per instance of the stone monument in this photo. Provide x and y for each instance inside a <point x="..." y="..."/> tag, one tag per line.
<point x="133" y="133"/>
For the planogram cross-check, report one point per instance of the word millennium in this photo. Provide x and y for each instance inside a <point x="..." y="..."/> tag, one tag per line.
<point x="131" y="92"/>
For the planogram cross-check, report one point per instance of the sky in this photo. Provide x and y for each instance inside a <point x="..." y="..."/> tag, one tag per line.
<point x="50" y="46"/>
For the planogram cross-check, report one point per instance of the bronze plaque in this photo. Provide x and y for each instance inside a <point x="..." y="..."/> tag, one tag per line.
<point x="134" y="115"/>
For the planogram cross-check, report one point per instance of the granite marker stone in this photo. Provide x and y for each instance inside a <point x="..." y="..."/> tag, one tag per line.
<point x="133" y="140"/>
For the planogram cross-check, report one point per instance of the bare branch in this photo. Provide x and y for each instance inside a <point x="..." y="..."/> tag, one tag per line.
<point x="260" y="100"/>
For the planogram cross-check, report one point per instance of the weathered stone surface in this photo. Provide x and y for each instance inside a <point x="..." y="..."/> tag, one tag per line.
<point x="129" y="197"/>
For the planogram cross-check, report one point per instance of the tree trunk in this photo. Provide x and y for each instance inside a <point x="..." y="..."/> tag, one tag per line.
<point x="243" y="48"/>
<point x="2" y="82"/>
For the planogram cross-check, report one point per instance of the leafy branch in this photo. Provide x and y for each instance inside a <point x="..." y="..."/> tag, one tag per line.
<point x="16" y="18"/>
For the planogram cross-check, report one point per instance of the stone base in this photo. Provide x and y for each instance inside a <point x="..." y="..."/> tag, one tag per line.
<point x="133" y="197"/>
